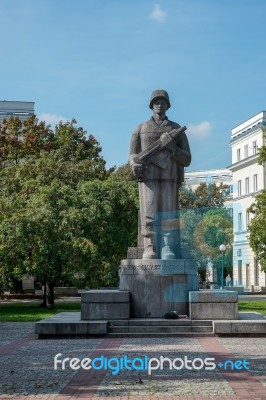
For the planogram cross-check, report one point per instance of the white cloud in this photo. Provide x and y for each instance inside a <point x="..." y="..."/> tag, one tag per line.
<point x="201" y="130"/>
<point x="51" y="119"/>
<point x="158" y="14"/>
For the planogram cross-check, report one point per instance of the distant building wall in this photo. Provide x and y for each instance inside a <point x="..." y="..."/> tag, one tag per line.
<point x="21" y="109"/>
<point x="249" y="180"/>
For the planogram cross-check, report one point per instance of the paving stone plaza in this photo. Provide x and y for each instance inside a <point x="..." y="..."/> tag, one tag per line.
<point x="27" y="367"/>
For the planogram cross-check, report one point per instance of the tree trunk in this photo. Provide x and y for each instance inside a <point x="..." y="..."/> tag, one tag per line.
<point x="16" y="286"/>
<point x="44" y="299"/>
<point x="48" y="295"/>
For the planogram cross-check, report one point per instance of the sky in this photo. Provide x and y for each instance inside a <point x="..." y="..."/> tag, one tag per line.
<point x="99" y="60"/>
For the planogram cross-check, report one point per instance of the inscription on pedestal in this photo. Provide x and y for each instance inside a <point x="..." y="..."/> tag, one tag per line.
<point x="170" y="269"/>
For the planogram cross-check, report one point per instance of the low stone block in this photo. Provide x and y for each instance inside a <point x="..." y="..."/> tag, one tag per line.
<point x="97" y="327"/>
<point x="105" y="311"/>
<point x="105" y="296"/>
<point x="213" y="296"/>
<point x="71" y="328"/>
<point x="200" y="311"/>
<point x="249" y="327"/>
<point x="222" y="327"/>
<point x="239" y="327"/>
<point x="213" y="311"/>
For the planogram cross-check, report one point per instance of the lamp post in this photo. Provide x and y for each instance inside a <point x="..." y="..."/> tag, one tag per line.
<point x="222" y="248"/>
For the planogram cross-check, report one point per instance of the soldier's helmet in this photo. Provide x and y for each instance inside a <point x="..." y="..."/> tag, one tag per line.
<point x="158" y="94"/>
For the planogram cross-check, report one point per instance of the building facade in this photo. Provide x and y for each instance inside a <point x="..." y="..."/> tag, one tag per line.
<point x="248" y="180"/>
<point x="21" y="109"/>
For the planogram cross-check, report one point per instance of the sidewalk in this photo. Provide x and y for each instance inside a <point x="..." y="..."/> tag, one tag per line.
<point x="27" y="368"/>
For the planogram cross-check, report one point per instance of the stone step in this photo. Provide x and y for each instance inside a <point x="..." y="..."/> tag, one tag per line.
<point x="158" y="329"/>
<point x="160" y="322"/>
<point x="159" y="335"/>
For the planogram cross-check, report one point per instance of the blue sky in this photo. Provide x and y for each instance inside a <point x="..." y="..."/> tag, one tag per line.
<point x="99" y="60"/>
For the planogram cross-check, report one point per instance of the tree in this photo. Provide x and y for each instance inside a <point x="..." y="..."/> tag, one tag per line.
<point x="256" y="228"/>
<point x="111" y="208"/>
<point x="49" y="224"/>
<point x="123" y="173"/>
<point x="206" y="223"/>
<point x="204" y="196"/>
<point x="22" y="139"/>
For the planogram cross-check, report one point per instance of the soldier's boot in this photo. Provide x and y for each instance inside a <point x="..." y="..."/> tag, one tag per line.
<point x="168" y="252"/>
<point x="149" y="251"/>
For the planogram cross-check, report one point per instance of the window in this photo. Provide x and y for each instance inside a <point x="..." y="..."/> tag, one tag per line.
<point x="239" y="272"/>
<point x="230" y="212"/>
<point x="247" y="185"/>
<point x="246" y="151"/>
<point x="255" y="183"/>
<point x="239" y="222"/>
<point x="254" y="147"/>
<point x="238" y="156"/>
<point x="239" y="253"/>
<point x="247" y="218"/>
<point x="239" y="188"/>
<point x="256" y="272"/>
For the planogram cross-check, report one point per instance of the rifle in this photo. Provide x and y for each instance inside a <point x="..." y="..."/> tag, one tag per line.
<point x="157" y="146"/>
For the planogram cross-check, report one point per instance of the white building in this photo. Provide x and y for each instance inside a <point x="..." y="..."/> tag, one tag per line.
<point x="249" y="179"/>
<point x="21" y="109"/>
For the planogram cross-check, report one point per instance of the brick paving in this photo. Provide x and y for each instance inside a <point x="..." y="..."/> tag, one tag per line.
<point x="27" y="368"/>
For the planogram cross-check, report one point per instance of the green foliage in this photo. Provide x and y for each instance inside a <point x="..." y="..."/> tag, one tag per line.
<point x="31" y="312"/>
<point x="215" y="228"/>
<point x="59" y="214"/>
<point x="257" y="229"/>
<point x="262" y="151"/>
<point x="205" y="228"/>
<point x="110" y="209"/>
<point x="22" y="139"/>
<point x="123" y="173"/>
<point x="257" y="224"/>
<point x="204" y="196"/>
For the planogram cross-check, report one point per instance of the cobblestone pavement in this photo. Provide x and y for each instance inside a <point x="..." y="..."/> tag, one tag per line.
<point x="27" y="368"/>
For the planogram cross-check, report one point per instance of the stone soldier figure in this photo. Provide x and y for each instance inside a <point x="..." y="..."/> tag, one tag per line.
<point x="160" y="175"/>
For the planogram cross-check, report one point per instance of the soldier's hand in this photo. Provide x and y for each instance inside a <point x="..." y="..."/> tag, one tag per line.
<point x="137" y="170"/>
<point x="166" y="140"/>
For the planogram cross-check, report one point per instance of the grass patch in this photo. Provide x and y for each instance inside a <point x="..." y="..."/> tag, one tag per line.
<point x="256" y="306"/>
<point x="30" y="312"/>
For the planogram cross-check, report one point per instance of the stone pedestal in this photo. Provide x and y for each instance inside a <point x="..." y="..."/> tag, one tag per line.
<point x="158" y="286"/>
<point x="213" y="304"/>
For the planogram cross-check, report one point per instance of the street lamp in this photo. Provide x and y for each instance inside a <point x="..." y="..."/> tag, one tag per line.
<point x="222" y="248"/>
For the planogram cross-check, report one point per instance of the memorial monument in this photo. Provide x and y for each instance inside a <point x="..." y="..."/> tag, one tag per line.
<point x="158" y="278"/>
<point x="160" y="282"/>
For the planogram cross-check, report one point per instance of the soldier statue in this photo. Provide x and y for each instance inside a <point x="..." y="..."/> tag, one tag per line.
<point x="159" y="152"/>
